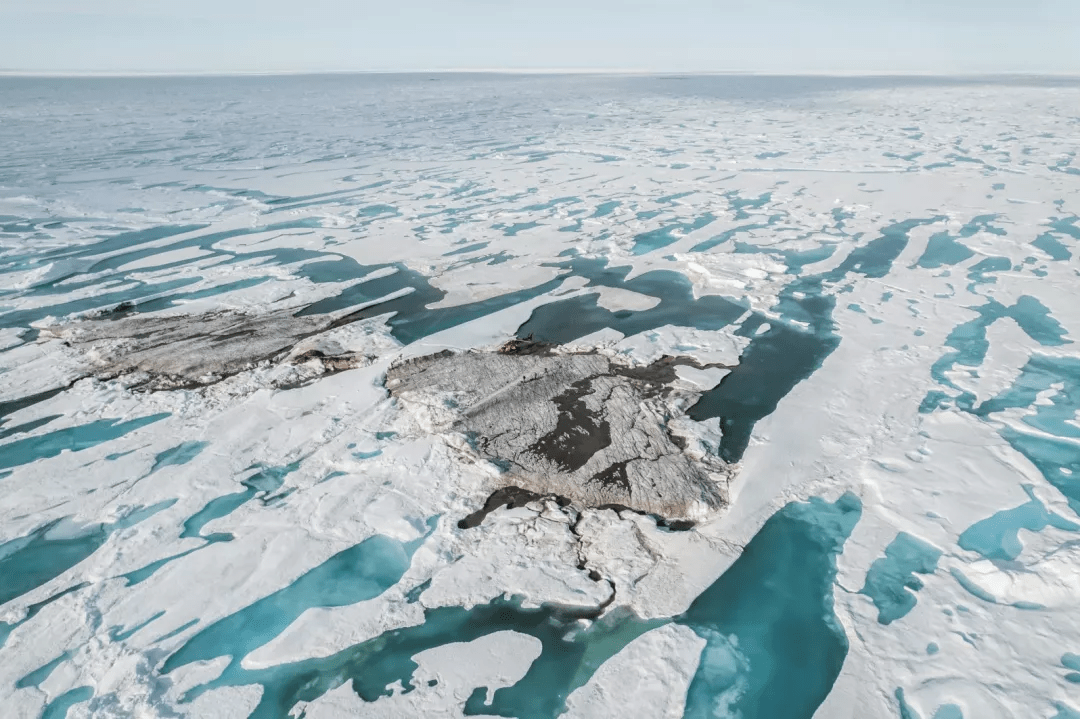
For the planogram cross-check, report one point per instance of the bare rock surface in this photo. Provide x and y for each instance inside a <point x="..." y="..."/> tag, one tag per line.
<point x="582" y="426"/>
<point x="190" y="351"/>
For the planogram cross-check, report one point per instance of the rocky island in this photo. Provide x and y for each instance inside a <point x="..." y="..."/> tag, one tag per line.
<point x="583" y="426"/>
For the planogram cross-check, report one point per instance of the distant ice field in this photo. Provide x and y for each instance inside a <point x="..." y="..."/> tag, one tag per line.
<point x="888" y="265"/>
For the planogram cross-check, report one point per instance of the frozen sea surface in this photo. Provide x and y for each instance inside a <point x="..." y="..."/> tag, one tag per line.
<point x="889" y="266"/>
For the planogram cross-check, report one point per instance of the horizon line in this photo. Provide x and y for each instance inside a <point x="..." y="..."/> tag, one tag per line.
<point x="537" y="71"/>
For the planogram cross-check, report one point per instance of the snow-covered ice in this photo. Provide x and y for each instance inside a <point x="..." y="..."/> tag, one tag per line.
<point x="213" y="506"/>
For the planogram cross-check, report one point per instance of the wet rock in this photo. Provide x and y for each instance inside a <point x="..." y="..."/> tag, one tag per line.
<point x="583" y="426"/>
<point x="510" y="497"/>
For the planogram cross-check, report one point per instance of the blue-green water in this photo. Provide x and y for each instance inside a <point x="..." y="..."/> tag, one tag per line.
<point x="794" y="259"/>
<point x="205" y="242"/>
<point x="1068" y="226"/>
<point x="36" y="677"/>
<point x="26" y="426"/>
<point x="891" y="582"/>
<point x="1071" y="661"/>
<point x="260" y="485"/>
<point x="471" y="247"/>
<point x="982" y="272"/>
<point x="30" y="561"/>
<point x="119" y="634"/>
<point x="178" y="455"/>
<point x="945" y="711"/>
<point x="143" y="573"/>
<point x="773" y="610"/>
<point x="1052" y="246"/>
<point x="775" y="361"/>
<point x="6" y="629"/>
<point x="944" y="249"/>
<point x="605" y="208"/>
<point x="971" y="587"/>
<point x="662" y="237"/>
<point x="567" y="320"/>
<point x="998" y="536"/>
<point x="263" y="483"/>
<point x="176" y="632"/>
<point x="876" y="257"/>
<point x="742" y="204"/>
<point x="58" y="708"/>
<point x="769" y="368"/>
<point x="130" y="247"/>
<point x="1054" y="452"/>
<point x="360" y="572"/>
<point x="189" y="162"/>
<point x="772" y="364"/>
<point x="969" y="343"/>
<point x="74" y="439"/>
<point x="1065" y="712"/>
<point x="725" y="236"/>
<point x="1051" y="448"/>
<point x="412" y="319"/>
<point x="768" y="622"/>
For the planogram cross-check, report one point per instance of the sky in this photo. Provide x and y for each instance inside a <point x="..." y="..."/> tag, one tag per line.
<point x="775" y="36"/>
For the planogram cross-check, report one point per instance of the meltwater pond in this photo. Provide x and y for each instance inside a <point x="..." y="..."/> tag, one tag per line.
<point x="39" y="557"/>
<point x="361" y="572"/>
<point x="774" y="647"/>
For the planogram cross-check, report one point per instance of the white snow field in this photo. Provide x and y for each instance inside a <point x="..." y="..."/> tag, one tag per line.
<point x="211" y="506"/>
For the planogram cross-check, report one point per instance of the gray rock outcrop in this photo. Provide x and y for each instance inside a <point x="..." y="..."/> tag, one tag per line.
<point x="579" y="425"/>
<point x="190" y="351"/>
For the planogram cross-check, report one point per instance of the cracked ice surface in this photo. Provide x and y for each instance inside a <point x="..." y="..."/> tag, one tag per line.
<point x="889" y="267"/>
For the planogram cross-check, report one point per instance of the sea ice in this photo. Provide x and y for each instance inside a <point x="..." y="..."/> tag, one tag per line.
<point x="198" y="320"/>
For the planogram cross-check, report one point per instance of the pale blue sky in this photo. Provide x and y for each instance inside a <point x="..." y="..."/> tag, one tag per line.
<point x="941" y="36"/>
